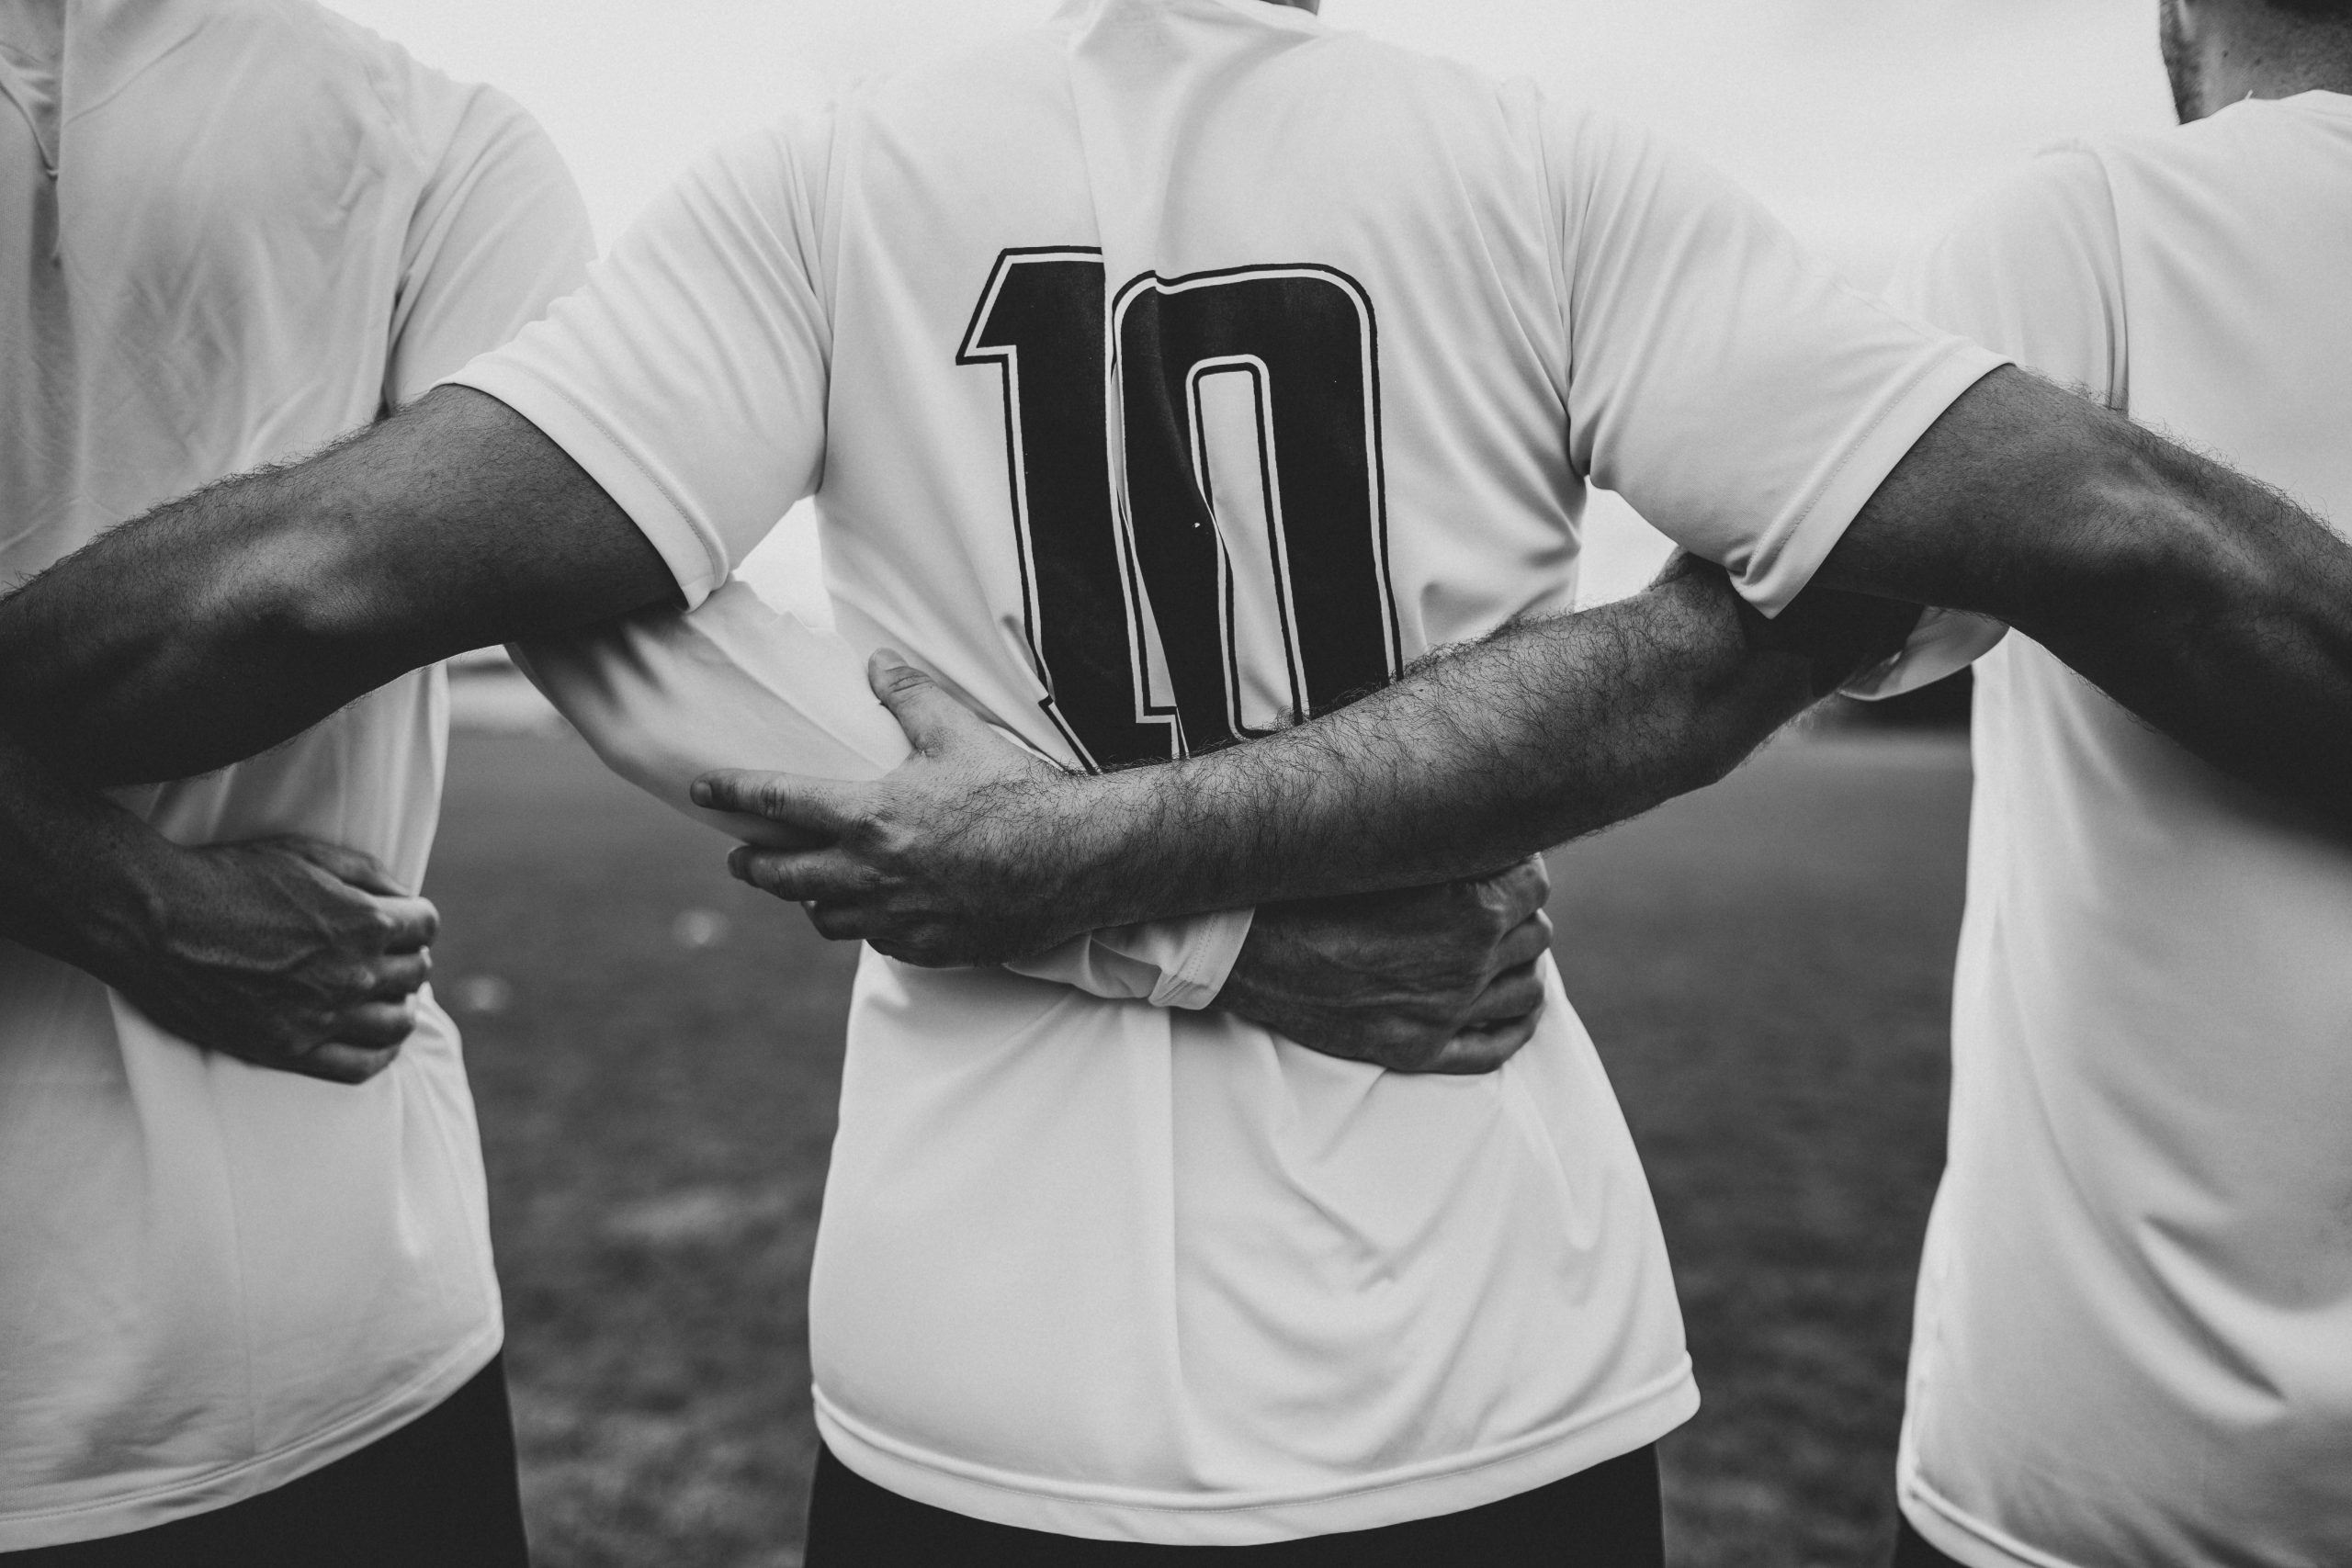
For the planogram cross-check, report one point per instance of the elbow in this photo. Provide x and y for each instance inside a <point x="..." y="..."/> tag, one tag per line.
<point x="2141" y="540"/>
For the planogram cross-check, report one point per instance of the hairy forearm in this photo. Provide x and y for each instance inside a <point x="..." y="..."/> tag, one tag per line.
<point x="69" y="863"/>
<point x="1478" y="756"/>
<point x="2236" y="638"/>
<point x="232" y="619"/>
<point x="2233" y="636"/>
<point x="2213" y="609"/>
<point x="169" y="646"/>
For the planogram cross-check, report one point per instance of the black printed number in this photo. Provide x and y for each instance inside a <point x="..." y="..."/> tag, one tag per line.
<point x="1240" y="569"/>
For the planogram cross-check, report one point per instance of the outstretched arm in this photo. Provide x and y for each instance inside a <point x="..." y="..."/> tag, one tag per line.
<point x="1438" y="979"/>
<point x="225" y="622"/>
<point x="2208" y="605"/>
<point x="1478" y="756"/>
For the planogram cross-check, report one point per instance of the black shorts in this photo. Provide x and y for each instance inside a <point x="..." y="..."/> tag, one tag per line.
<point x="1912" y="1550"/>
<point x="439" y="1493"/>
<point x="1608" y="1517"/>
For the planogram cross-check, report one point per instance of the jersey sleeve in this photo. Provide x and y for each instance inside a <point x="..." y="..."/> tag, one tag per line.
<point x="1728" y="384"/>
<point x="2034" y="271"/>
<point x="688" y="375"/>
<point x="665" y="696"/>
<point x="498" y="234"/>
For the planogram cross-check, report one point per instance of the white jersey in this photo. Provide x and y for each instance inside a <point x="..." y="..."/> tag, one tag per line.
<point x="1160" y="370"/>
<point x="2134" y="1332"/>
<point x="239" y="227"/>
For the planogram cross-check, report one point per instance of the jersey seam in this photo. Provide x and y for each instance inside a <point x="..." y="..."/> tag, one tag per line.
<point x="493" y="1336"/>
<point x="1657" y="1390"/>
<point x="2119" y="362"/>
<point x="1770" y="555"/>
<point x="1960" y="1519"/>
<point x="713" y="570"/>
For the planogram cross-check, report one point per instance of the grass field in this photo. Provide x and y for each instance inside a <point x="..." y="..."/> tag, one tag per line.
<point x="655" y="1050"/>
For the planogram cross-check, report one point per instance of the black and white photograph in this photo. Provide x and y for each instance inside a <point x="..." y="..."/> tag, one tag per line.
<point x="1036" y="784"/>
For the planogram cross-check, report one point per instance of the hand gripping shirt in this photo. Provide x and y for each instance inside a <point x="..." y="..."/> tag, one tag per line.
<point x="1157" y="371"/>
<point x="2133" y="1341"/>
<point x="235" y="229"/>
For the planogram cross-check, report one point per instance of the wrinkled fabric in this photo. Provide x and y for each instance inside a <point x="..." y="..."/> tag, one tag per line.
<point x="2134" y="1322"/>
<point x="234" y="228"/>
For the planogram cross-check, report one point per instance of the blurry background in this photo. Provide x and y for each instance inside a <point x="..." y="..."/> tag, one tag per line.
<point x="1766" y="966"/>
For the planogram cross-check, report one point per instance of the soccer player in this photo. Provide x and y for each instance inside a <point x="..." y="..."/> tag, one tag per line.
<point x="250" y="1319"/>
<point x="2134" y="1332"/>
<point x="1161" y="370"/>
<point x="247" y="1315"/>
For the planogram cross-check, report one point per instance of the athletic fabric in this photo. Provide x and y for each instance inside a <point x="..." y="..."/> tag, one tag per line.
<point x="664" y="698"/>
<point x="1608" y="1517"/>
<point x="1361" y="325"/>
<point x="238" y="228"/>
<point x="2134" y="1332"/>
<point x="439" y="1493"/>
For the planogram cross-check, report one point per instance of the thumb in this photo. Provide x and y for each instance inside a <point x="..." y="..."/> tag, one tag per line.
<point x="934" y="720"/>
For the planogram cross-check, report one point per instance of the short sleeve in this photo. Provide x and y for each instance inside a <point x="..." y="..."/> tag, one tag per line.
<point x="499" y="233"/>
<point x="688" y="375"/>
<point x="1728" y="384"/>
<point x="666" y="696"/>
<point x="2033" y="271"/>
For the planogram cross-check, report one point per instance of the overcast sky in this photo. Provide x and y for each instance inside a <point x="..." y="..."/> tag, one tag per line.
<point x="1864" y="123"/>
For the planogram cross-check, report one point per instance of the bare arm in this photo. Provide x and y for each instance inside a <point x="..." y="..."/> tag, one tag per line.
<point x="1477" y="757"/>
<point x="2206" y="603"/>
<point x="225" y="622"/>
<point x="2210" y="605"/>
<point x="286" y="952"/>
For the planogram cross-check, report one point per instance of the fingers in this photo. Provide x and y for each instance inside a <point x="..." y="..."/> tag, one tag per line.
<point x="399" y="974"/>
<point x="932" y="720"/>
<point x="1512" y="995"/>
<point x="825" y="807"/>
<point x="1524" y="943"/>
<point x="1483" y="1048"/>
<point x="1523" y="889"/>
<point x="802" y="875"/>
<point x="339" y="1062"/>
<point x="411" y="924"/>
<point x="343" y="864"/>
<point x="375" y="1026"/>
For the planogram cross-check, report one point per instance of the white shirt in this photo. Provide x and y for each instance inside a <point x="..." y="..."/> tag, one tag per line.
<point x="264" y="226"/>
<point x="1118" y="1271"/>
<point x="2135" y="1330"/>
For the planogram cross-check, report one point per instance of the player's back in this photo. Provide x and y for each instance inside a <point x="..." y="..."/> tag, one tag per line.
<point x="1290" y="358"/>
<point x="1157" y="372"/>
<point x="2137" y="1302"/>
<point x="232" y="230"/>
<point x="1192" y="413"/>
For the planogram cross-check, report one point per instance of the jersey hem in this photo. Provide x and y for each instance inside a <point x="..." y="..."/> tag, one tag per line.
<point x="1967" y="1541"/>
<point x="694" y="560"/>
<point x="250" y="1478"/>
<point x="1414" y="1491"/>
<point x="1787" y="563"/>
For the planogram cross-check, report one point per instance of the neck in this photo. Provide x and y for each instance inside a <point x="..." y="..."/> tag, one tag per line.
<point x="2251" y="50"/>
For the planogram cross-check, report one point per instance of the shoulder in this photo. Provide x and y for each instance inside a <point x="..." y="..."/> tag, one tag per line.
<point x="2033" y="268"/>
<point x="2064" y="192"/>
<point x="429" y="115"/>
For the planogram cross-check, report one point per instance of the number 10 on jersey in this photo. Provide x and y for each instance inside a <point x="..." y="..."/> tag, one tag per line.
<point x="1197" y="496"/>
